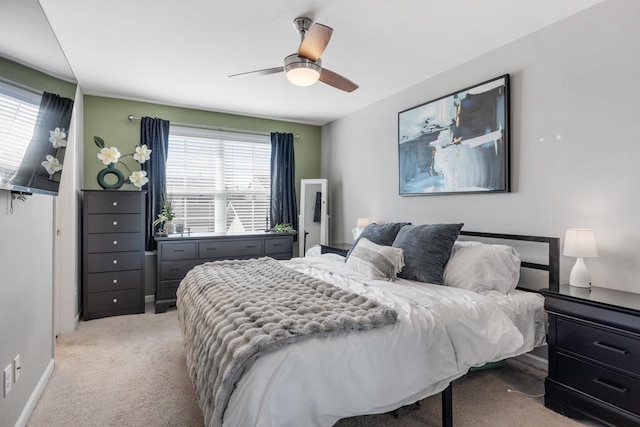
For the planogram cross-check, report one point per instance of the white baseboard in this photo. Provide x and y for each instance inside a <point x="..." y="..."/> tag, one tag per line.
<point x="35" y="396"/>
<point x="149" y="299"/>
<point x="535" y="361"/>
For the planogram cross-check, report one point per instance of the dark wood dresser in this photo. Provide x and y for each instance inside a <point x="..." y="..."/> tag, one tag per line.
<point x="113" y="253"/>
<point x="594" y="354"/>
<point x="177" y="254"/>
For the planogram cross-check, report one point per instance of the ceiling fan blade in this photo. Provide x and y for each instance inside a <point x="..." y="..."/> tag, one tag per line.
<point x="264" y="72"/>
<point x="337" y="81"/>
<point x="315" y="42"/>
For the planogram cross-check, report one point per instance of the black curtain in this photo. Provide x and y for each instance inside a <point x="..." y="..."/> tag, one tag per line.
<point x="54" y="112"/>
<point x="155" y="134"/>
<point x="284" y="209"/>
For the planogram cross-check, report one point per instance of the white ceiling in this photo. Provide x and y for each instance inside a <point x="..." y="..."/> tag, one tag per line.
<point x="181" y="52"/>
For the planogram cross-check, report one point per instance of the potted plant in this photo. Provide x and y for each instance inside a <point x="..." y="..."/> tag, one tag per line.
<point x="166" y="216"/>
<point x="283" y="228"/>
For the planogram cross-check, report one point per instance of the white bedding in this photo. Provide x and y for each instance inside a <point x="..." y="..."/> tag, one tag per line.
<point x="440" y="333"/>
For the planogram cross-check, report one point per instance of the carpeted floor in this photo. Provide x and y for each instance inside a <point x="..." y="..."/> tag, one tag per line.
<point x="130" y="371"/>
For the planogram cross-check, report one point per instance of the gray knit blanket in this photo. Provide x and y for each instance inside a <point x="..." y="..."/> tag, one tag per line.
<point x="231" y="312"/>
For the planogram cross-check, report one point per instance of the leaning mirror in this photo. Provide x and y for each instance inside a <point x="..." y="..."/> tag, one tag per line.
<point x="314" y="220"/>
<point x="37" y="88"/>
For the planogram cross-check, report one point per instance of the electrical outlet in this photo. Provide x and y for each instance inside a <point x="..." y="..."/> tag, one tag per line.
<point x="16" y="369"/>
<point x="8" y="379"/>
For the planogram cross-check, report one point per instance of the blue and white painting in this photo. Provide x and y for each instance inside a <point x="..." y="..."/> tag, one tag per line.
<point x="458" y="143"/>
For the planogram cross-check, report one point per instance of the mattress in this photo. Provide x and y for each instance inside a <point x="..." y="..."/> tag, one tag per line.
<point x="441" y="332"/>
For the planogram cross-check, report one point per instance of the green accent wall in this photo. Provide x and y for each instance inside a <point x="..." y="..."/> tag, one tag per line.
<point x="107" y="118"/>
<point x="35" y="79"/>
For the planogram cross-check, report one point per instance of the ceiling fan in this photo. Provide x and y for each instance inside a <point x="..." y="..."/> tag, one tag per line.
<point x="304" y="67"/>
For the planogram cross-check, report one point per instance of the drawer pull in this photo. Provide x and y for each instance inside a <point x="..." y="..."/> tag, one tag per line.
<point x="115" y="261"/>
<point x="115" y="222"/>
<point x="115" y="203"/>
<point x="175" y="269"/>
<point x="115" y="300"/>
<point x="251" y="246"/>
<point x="178" y="250"/>
<point x="211" y="249"/>
<point x="277" y="244"/>
<point x="610" y="347"/>
<point x="610" y="385"/>
<point x="115" y="281"/>
<point x="115" y="242"/>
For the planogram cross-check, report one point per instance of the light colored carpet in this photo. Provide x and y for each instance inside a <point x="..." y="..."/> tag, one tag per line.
<point x="131" y="371"/>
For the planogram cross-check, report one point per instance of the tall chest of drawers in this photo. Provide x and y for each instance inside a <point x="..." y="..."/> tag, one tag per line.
<point x="178" y="254"/>
<point x="113" y="253"/>
<point x="594" y="354"/>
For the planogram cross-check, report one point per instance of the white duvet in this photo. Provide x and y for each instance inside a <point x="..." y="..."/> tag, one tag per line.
<point x="440" y="333"/>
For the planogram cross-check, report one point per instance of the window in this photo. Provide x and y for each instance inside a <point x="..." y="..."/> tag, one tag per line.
<point x="18" y="113"/>
<point x="219" y="181"/>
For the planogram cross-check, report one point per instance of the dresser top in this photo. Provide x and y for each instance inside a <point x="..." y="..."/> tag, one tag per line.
<point x="203" y="236"/>
<point x="111" y="191"/>
<point x="598" y="296"/>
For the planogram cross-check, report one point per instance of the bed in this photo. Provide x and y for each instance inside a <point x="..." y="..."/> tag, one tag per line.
<point x="402" y="341"/>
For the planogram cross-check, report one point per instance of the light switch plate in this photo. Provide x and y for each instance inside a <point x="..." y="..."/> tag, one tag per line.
<point x="8" y="379"/>
<point x="16" y="369"/>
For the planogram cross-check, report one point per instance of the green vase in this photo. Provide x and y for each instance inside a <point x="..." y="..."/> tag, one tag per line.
<point x="110" y="170"/>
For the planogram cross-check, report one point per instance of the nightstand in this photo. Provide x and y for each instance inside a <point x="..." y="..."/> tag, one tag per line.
<point x="594" y="354"/>
<point x="336" y="248"/>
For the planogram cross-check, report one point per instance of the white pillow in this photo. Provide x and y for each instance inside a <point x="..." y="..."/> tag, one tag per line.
<point x="313" y="251"/>
<point x="482" y="268"/>
<point x="375" y="261"/>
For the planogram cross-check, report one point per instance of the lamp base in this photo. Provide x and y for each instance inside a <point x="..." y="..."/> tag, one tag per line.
<point x="356" y="233"/>
<point x="579" y="276"/>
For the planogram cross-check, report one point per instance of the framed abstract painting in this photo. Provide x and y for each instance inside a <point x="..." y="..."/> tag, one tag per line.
<point x="458" y="143"/>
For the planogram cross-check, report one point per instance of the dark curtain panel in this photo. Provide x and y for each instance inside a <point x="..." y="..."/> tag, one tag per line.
<point x="54" y="112"/>
<point x="284" y="208"/>
<point x="155" y="134"/>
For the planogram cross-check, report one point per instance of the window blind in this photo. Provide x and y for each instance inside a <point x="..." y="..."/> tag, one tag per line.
<point x="18" y="114"/>
<point x="219" y="181"/>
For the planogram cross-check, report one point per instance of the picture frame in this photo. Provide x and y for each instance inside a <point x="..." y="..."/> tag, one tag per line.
<point x="458" y="143"/>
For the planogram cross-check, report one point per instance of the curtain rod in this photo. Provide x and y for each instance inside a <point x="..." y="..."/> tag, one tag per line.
<point x="131" y="118"/>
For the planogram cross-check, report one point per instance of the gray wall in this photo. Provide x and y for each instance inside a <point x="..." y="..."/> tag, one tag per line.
<point x="575" y="144"/>
<point x="26" y="295"/>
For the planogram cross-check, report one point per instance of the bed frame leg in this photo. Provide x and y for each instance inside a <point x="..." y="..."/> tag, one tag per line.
<point x="447" y="406"/>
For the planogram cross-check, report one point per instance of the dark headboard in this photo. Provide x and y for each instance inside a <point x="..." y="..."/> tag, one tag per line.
<point x="553" y="244"/>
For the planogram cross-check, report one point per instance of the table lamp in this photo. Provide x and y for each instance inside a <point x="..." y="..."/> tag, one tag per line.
<point x="580" y="243"/>
<point x="361" y="224"/>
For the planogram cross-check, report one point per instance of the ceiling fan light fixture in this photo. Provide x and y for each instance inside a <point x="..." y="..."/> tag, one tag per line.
<point x="301" y="71"/>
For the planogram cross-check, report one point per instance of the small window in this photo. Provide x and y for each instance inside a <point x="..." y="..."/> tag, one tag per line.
<point x="219" y="181"/>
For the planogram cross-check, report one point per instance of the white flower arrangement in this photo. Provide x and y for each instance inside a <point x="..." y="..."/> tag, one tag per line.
<point x="58" y="138"/>
<point x="111" y="156"/>
<point x="52" y="164"/>
<point x="139" y="178"/>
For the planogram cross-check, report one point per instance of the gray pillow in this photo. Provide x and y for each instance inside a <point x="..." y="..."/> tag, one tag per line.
<point x="380" y="234"/>
<point x="426" y="249"/>
<point x="375" y="261"/>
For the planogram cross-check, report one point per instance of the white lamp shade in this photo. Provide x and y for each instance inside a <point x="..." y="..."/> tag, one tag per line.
<point x="580" y="243"/>
<point x="362" y="223"/>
